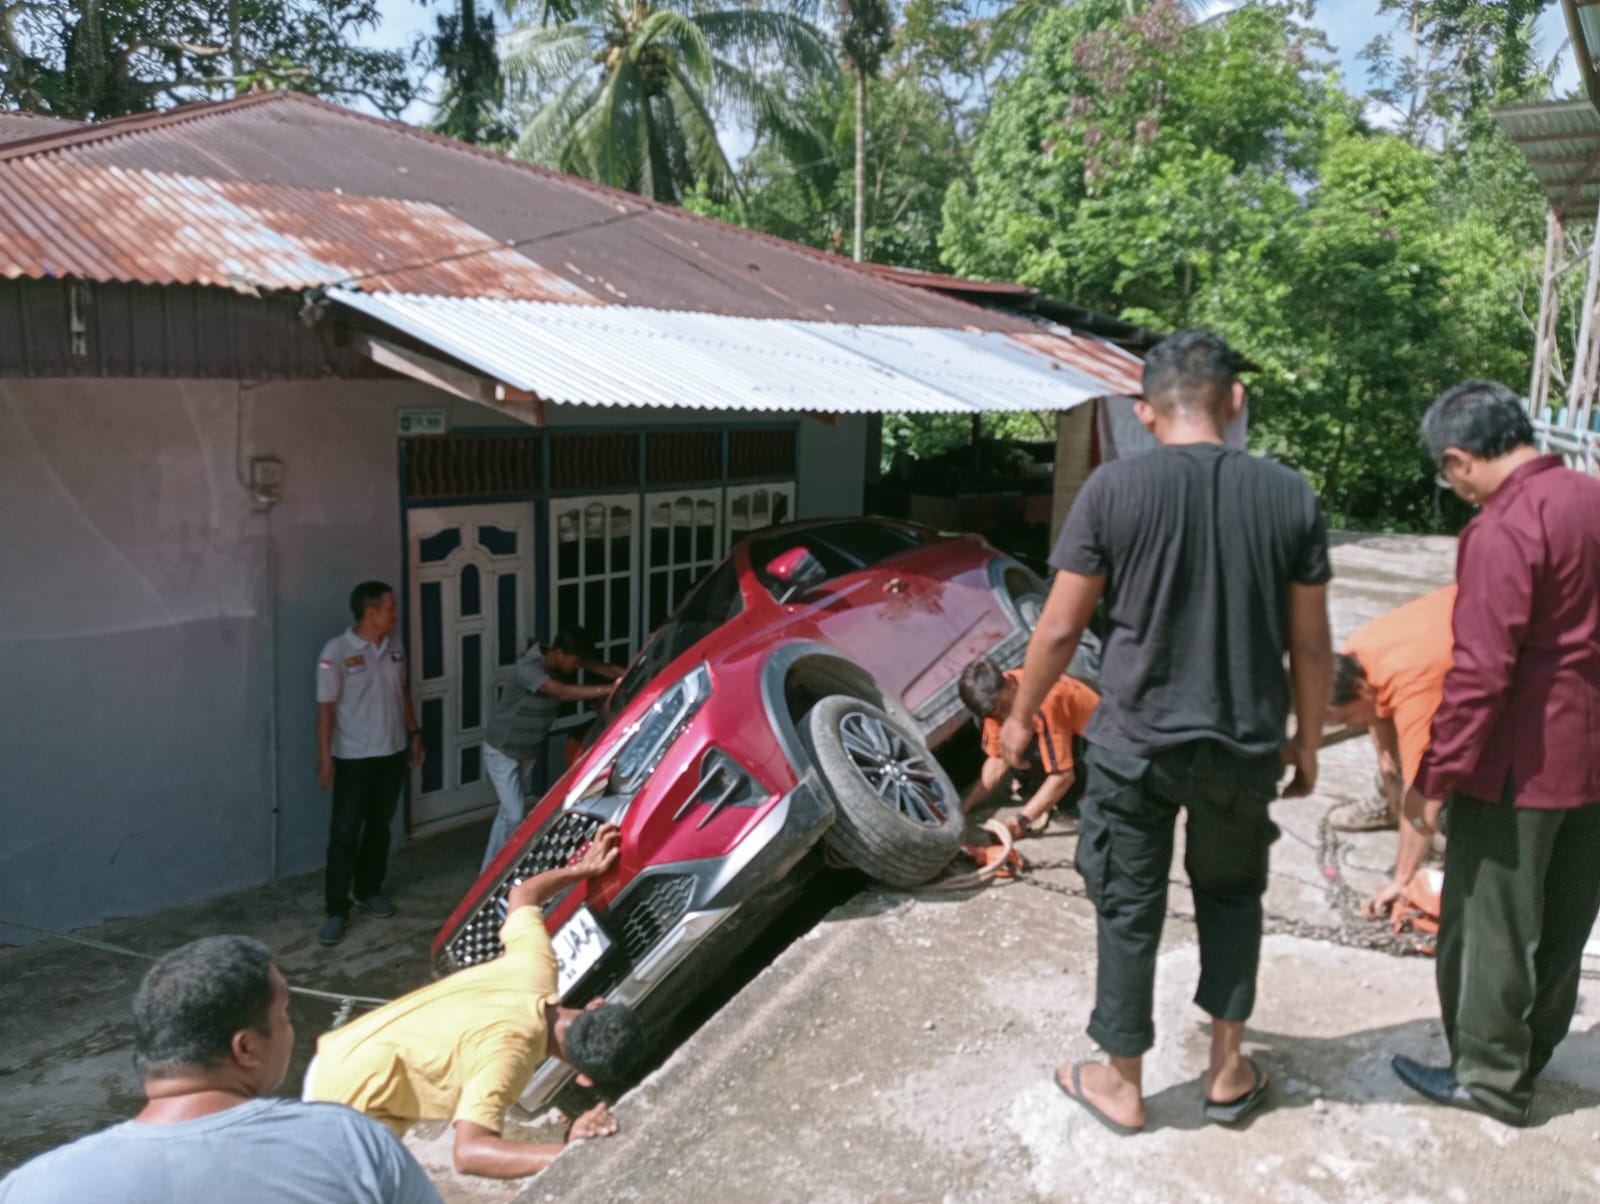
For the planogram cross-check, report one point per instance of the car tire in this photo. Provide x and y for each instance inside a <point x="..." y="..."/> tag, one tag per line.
<point x="902" y="843"/>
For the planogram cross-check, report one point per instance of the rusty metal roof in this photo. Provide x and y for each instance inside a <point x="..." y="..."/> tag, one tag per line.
<point x="615" y="247"/>
<point x="1561" y="141"/>
<point x="16" y="126"/>
<point x="61" y="218"/>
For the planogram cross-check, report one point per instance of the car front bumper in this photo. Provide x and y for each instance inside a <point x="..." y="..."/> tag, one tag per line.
<point x="685" y="906"/>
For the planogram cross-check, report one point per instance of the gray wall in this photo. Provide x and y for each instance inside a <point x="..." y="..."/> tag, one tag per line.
<point x="145" y="660"/>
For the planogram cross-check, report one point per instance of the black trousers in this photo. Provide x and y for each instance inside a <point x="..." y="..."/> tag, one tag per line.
<point x="1125" y="834"/>
<point x="366" y="791"/>
<point x="1521" y="892"/>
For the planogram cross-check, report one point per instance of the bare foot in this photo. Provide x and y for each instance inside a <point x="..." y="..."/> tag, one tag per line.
<point x="1234" y="1079"/>
<point x="1106" y="1090"/>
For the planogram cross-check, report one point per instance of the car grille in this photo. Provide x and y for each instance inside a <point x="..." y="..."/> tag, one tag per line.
<point x="479" y="940"/>
<point x="649" y="913"/>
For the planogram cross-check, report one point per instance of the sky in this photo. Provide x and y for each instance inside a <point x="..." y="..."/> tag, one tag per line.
<point x="1349" y="24"/>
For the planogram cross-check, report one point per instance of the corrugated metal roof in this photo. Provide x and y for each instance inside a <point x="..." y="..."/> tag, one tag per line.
<point x="627" y="356"/>
<point x="17" y="126"/>
<point x="615" y="246"/>
<point x="61" y="218"/>
<point x="1562" y="144"/>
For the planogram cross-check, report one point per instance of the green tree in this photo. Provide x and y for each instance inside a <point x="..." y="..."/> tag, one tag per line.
<point x="629" y="93"/>
<point x="473" y="99"/>
<point x="104" y="58"/>
<point x="865" y="37"/>
<point x="913" y="151"/>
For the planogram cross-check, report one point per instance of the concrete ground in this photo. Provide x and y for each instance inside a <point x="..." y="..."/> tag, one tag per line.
<point x="902" y="1050"/>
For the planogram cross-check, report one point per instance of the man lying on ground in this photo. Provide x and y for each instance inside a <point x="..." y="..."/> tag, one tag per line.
<point x="989" y="694"/>
<point x="463" y="1048"/>
<point x="1390" y="680"/>
<point x="212" y="1040"/>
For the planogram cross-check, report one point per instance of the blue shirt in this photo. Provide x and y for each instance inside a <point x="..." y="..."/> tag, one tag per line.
<point x="266" y="1151"/>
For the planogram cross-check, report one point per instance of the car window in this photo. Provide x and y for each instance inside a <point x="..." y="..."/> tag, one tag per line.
<point x="709" y="605"/>
<point x="867" y="543"/>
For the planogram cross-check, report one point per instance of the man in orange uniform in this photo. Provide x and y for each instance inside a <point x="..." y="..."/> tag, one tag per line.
<point x="988" y="693"/>
<point x="1390" y="679"/>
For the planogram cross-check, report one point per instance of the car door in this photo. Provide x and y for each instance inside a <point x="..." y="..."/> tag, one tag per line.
<point x="887" y="612"/>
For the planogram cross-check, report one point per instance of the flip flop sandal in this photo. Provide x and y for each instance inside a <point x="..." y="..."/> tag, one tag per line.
<point x="1231" y="1112"/>
<point x="1076" y="1096"/>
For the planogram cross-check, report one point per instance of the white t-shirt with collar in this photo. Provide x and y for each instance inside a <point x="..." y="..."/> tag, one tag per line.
<point x="366" y="681"/>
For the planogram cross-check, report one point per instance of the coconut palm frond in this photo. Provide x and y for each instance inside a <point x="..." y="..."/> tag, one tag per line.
<point x="680" y="37"/>
<point x="539" y="59"/>
<point x="550" y="128"/>
<point x="798" y="44"/>
<point x="706" y="159"/>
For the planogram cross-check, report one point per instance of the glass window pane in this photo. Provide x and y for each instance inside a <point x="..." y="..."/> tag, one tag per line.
<point x="682" y="549"/>
<point x="439" y="546"/>
<point x="705" y="543"/>
<point x="780" y="508"/>
<point x="621" y="540"/>
<point x="566" y="605"/>
<point x="470" y="762"/>
<point x="617" y="628"/>
<point x="567" y="545"/>
<point x="506" y="617"/>
<point x="594" y="609"/>
<point x="497" y="541"/>
<point x="433" y="742"/>
<point x="432" y="631"/>
<point x="660" y="604"/>
<point x="471" y="599"/>
<point x="471" y="681"/>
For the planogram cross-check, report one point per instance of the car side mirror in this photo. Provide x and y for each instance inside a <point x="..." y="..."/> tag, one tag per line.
<point x="796" y="572"/>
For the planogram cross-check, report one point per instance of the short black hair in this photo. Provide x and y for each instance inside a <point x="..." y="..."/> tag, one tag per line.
<point x="195" y="999"/>
<point x="367" y="595"/>
<point x="574" y="641"/>
<point x="1482" y="417"/>
<point x="979" y="687"/>
<point x="1348" y="674"/>
<point x="1191" y="365"/>
<point x="608" y="1044"/>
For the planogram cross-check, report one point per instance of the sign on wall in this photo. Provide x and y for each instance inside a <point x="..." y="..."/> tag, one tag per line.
<point x="420" y="422"/>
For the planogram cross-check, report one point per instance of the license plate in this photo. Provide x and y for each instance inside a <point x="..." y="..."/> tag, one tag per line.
<point x="579" y="944"/>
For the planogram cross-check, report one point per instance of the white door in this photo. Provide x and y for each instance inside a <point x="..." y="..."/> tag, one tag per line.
<point x="594" y="561"/>
<point x="682" y="543"/>
<point x="471" y="613"/>
<point x="751" y="507"/>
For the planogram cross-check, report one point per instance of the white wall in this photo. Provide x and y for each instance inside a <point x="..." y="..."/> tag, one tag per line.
<point x="143" y="664"/>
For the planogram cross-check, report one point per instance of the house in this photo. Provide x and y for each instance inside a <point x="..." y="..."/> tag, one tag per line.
<point x="254" y="352"/>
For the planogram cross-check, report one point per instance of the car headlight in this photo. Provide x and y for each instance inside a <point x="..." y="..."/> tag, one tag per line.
<point x="653" y="733"/>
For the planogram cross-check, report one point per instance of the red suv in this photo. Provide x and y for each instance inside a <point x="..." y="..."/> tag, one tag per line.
<point x="789" y="703"/>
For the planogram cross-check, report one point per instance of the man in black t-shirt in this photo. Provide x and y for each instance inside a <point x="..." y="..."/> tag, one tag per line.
<point x="1212" y="564"/>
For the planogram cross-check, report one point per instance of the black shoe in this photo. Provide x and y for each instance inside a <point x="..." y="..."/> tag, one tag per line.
<point x="1439" y="1084"/>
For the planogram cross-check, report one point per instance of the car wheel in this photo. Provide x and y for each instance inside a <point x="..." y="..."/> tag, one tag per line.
<point x="899" y="816"/>
<point x="1029" y="607"/>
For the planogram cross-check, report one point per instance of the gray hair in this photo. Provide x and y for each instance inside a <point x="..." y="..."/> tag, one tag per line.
<point x="1482" y="417"/>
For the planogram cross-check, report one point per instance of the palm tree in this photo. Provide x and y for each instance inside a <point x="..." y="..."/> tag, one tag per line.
<point x="629" y="92"/>
<point x="865" y="36"/>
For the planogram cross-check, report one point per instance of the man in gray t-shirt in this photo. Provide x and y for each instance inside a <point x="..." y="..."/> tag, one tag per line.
<point x="212" y="1040"/>
<point x="519" y="726"/>
<point x="1213" y="564"/>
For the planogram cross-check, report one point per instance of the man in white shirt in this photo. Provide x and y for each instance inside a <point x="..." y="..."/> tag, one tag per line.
<point x="364" y="728"/>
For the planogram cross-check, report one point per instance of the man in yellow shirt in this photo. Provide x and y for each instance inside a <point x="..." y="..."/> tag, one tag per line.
<point x="463" y="1048"/>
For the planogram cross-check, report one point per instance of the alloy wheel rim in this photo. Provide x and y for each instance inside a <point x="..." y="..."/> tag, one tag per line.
<point x="897" y="770"/>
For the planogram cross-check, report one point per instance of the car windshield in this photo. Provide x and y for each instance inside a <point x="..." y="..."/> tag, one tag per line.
<point x="709" y="605"/>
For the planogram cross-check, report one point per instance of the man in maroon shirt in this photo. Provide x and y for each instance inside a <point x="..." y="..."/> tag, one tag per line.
<point x="1513" y="750"/>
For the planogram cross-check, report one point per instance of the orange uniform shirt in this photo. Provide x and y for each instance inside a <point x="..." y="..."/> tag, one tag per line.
<point x="1406" y="654"/>
<point x="1063" y="714"/>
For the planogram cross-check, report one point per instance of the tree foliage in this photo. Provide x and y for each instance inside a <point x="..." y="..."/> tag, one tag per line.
<point x="472" y="102"/>
<point x="1181" y="174"/>
<point x="106" y="58"/>
<point x="630" y="93"/>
